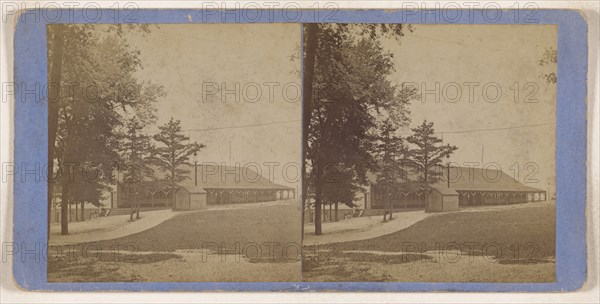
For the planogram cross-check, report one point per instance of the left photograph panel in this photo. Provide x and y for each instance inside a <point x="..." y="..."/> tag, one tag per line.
<point x="175" y="151"/>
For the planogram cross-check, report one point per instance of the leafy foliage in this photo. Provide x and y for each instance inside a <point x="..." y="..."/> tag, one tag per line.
<point x="135" y="151"/>
<point x="95" y="91"/>
<point x="349" y="92"/>
<point x="138" y="174"/>
<point x="390" y="151"/>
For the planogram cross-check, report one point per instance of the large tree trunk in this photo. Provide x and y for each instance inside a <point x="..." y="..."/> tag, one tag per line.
<point x="76" y="212"/>
<point x="307" y="92"/>
<point x="53" y="94"/>
<point x="131" y="203"/>
<point x="64" y="210"/>
<point x="132" y="211"/>
<point x="336" y="212"/>
<point x="391" y="202"/>
<point x="426" y="200"/>
<point x="426" y="180"/>
<point x="318" y="218"/>
<point x="385" y="203"/>
<point x="137" y="210"/>
<point x="82" y="211"/>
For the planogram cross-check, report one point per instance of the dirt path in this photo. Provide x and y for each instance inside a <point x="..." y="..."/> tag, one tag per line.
<point x="109" y="227"/>
<point x="362" y="228"/>
<point x="116" y="226"/>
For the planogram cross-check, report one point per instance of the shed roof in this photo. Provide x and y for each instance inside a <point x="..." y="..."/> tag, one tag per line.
<point x="445" y="190"/>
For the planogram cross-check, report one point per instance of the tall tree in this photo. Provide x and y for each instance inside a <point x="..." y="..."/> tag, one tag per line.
<point x="56" y="40"/>
<point x="340" y="187"/>
<point x="138" y="173"/>
<point x="173" y="151"/>
<point x="390" y="150"/>
<point x="428" y="153"/>
<point x="94" y="78"/>
<point x="311" y="32"/>
<point x="347" y="90"/>
<point x="90" y="187"/>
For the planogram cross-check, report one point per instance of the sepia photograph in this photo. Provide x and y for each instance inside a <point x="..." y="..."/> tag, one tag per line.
<point x="302" y="151"/>
<point x="429" y="153"/>
<point x="320" y="153"/>
<point x="175" y="152"/>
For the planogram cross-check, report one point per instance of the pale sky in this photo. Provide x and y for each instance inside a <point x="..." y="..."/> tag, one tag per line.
<point x="191" y="59"/>
<point x="266" y="56"/>
<point x="454" y="55"/>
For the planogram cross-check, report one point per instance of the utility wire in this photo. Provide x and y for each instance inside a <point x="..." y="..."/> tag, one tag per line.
<point x="242" y="126"/>
<point x="489" y="129"/>
<point x="299" y="120"/>
<point x="497" y="129"/>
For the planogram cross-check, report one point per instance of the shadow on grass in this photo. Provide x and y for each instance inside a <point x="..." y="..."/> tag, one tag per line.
<point x="99" y="267"/>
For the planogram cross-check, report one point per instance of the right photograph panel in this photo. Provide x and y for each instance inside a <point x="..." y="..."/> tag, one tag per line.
<point x="429" y="153"/>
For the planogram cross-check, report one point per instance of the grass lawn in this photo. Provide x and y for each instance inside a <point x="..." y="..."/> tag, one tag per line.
<point x="516" y="237"/>
<point x="226" y="228"/>
<point x="259" y="234"/>
<point x="527" y="227"/>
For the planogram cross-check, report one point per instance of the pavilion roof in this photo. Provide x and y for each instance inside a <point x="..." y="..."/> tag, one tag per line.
<point x="227" y="177"/>
<point x="465" y="179"/>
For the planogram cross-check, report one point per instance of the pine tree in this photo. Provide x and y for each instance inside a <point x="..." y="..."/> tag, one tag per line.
<point x="138" y="174"/>
<point x="174" y="150"/>
<point x="427" y="154"/>
<point x="390" y="151"/>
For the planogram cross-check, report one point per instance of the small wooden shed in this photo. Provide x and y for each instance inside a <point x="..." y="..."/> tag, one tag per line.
<point x="443" y="199"/>
<point x="193" y="199"/>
